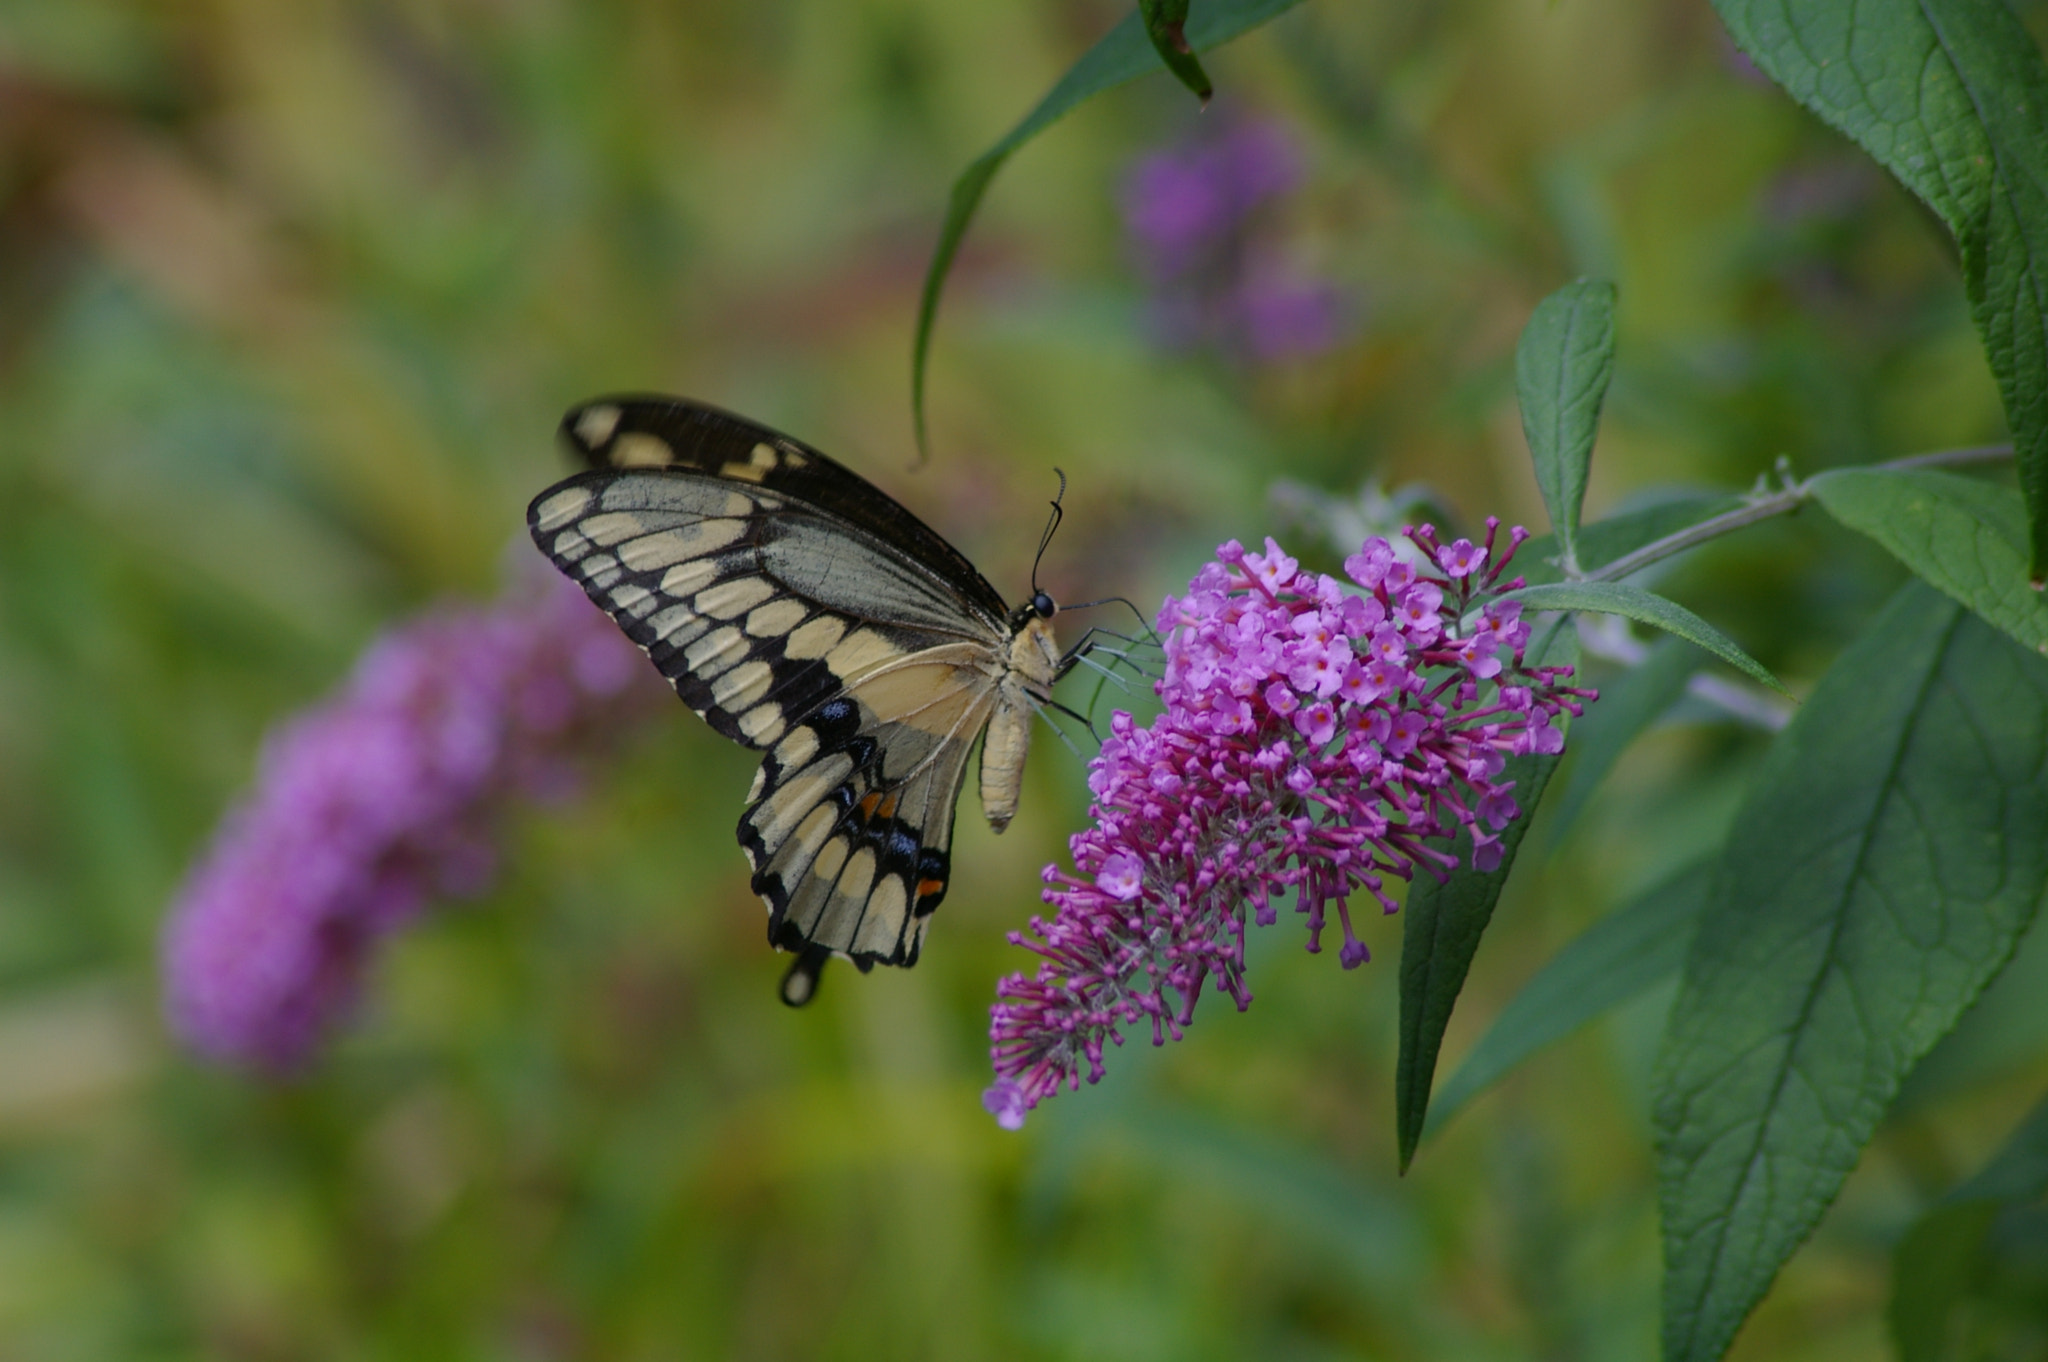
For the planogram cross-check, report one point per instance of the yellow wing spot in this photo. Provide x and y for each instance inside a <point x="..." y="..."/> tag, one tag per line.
<point x="815" y="639"/>
<point x="677" y="625"/>
<point x="634" y="600"/>
<point x="641" y="450"/>
<point x="665" y="547"/>
<point x="730" y="600"/>
<point x="883" y="924"/>
<point x="793" y="857"/>
<point x="759" y="464"/>
<point x="612" y="527"/>
<point x="743" y="687"/>
<point x="792" y="459"/>
<point x="561" y="508"/>
<point x="860" y="651"/>
<point x="596" y="424"/>
<point x="687" y="579"/>
<point x="796" y="750"/>
<point x="776" y="617"/>
<point x="713" y="653"/>
<point x="762" y="724"/>
<point x="777" y="815"/>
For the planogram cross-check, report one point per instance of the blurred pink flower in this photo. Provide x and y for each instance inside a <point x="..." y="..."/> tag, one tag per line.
<point x="381" y="800"/>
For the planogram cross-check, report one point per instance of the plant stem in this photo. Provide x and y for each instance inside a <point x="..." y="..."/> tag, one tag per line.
<point x="1764" y="504"/>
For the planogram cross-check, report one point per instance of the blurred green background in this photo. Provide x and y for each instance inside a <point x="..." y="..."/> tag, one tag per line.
<point x="291" y="298"/>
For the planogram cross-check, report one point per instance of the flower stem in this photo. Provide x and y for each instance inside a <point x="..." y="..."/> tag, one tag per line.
<point x="1764" y="504"/>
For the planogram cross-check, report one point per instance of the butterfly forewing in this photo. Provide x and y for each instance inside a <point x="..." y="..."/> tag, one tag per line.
<point x="802" y="612"/>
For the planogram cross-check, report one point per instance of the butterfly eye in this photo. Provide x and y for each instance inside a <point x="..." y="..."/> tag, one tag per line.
<point x="1042" y="604"/>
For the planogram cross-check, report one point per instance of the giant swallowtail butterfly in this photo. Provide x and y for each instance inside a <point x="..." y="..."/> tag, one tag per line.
<point x="803" y="612"/>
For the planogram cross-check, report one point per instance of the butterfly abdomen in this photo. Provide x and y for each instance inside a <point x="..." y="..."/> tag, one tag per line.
<point x="1033" y="666"/>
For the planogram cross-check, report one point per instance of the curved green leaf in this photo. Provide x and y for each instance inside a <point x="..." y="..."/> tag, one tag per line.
<point x="1123" y="54"/>
<point x="1562" y="365"/>
<point x="1968" y="538"/>
<point x="1609" y="963"/>
<point x="1442" y="922"/>
<point x="1949" y="96"/>
<point x="1941" y="1257"/>
<point x="1166" y="25"/>
<point x="1630" y="704"/>
<point x="1632" y="602"/>
<point x="1886" y="862"/>
<point x="2005" y="1031"/>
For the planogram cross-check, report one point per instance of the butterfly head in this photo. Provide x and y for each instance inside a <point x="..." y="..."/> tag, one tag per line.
<point x="1039" y="607"/>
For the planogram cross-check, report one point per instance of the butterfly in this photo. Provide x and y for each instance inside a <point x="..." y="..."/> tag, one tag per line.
<point x="803" y="612"/>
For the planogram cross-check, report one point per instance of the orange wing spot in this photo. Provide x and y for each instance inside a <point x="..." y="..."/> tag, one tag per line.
<point x="887" y="808"/>
<point x="870" y="803"/>
<point x="927" y="888"/>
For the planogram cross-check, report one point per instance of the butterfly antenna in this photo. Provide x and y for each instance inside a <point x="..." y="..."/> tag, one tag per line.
<point x="1058" y="513"/>
<point x="1151" y="635"/>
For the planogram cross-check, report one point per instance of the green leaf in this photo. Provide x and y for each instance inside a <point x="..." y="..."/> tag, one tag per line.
<point x="1609" y="963"/>
<point x="1968" y="538"/>
<point x="1632" y="602"/>
<point x="1947" y="95"/>
<point x="2004" y="1031"/>
<point x="1562" y="365"/>
<point x="1442" y="922"/>
<point x="1634" y="701"/>
<point x="1166" y="25"/>
<point x="1603" y="541"/>
<point x="1942" y="1257"/>
<point x="1123" y="54"/>
<point x="1887" y="860"/>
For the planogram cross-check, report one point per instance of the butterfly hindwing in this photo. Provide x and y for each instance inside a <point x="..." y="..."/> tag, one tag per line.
<point x="850" y="851"/>
<point x="802" y="612"/>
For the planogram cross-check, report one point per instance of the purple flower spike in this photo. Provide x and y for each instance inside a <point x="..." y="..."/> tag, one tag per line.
<point x="382" y="800"/>
<point x="1263" y="777"/>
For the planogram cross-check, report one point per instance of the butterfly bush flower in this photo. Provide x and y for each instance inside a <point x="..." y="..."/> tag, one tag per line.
<point x="1194" y="217"/>
<point x="1319" y="739"/>
<point x="381" y="800"/>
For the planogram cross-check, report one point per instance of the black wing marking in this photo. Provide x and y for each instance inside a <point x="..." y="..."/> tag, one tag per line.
<point x="655" y="431"/>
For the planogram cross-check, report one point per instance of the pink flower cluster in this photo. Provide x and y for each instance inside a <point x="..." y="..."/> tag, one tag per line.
<point x="381" y="800"/>
<point x="1316" y="738"/>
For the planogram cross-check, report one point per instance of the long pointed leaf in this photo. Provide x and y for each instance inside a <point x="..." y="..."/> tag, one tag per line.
<point x="1123" y="54"/>
<point x="1949" y="96"/>
<point x="1562" y="365"/>
<point x="1442" y="924"/>
<point x="1968" y="538"/>
<point x="1632" y="602"/>
<point x="1885" y="864"/>
<point x="1609" y="963"/>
